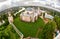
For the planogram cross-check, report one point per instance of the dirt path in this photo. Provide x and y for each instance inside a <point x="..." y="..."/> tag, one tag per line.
<point x="44" y="19"/>
<point x="39" y="29"/>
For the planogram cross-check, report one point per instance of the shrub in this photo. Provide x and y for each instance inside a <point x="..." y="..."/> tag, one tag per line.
<point x="57" y="20"/>
<point x="48" y="30"/>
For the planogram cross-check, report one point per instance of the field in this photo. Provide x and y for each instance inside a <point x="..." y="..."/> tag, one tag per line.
<point x="29" y="29"/>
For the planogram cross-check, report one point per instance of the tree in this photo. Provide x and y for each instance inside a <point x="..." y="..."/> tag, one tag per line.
<point x="4" y="33"/>
<point x="48" y="30"/>
<point x="57" y="20"/>
<point x="0" y="19"/>
<point x="4" y="16"/>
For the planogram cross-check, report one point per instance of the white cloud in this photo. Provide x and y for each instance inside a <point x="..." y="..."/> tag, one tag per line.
<point x="10" y="3"/>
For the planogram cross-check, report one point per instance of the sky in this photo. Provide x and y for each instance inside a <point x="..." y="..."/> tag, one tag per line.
<point x="9" y="3"/>
<point x="2" y="0"/>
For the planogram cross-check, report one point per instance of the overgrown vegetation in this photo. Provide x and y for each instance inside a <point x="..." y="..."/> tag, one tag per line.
<point x="37" y="29"/>
<point x="57" y="20"/>
<point x="6" y="30"/>
<point x="29" y="29"/>
<point x="48" y="30"/>
<point x="45" y="31"/>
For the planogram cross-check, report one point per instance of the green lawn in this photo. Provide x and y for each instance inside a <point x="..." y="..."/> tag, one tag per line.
<point x="29" y="29"/>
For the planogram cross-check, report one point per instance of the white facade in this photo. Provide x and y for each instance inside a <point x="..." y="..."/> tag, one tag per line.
<point x="48" y="16"/>
<point x="29" y="15"/>
<point x="10" y="18"/>
<point x="58" y="36"/>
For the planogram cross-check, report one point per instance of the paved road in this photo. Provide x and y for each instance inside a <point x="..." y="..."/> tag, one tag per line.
<point x="19" y="33"/>
<point x="19" y="11"/>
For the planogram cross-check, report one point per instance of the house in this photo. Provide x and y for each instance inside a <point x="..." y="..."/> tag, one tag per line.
<point x="30" y="15"/>
<point x="48" y="16"/>
<point x="10" y="17"/>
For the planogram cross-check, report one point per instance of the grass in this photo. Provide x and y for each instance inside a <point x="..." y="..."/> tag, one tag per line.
<point x="13" y="34"/>
<point x="29" y="29"/>
<point x="8" y="32"/>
